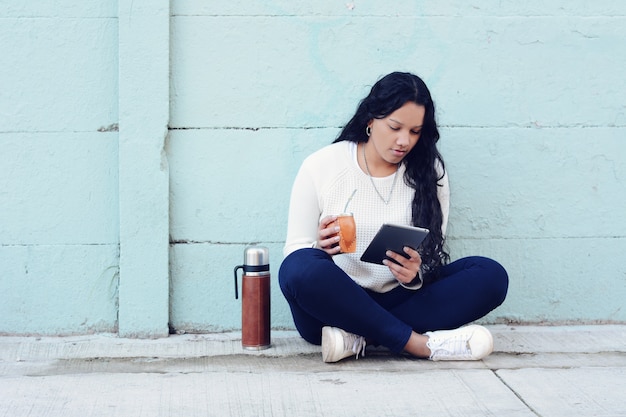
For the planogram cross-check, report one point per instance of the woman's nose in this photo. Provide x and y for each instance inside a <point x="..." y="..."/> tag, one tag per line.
<point x="403" y="138"/>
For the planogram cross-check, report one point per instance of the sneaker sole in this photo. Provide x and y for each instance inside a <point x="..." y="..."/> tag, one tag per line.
<point x="329" y="347"/>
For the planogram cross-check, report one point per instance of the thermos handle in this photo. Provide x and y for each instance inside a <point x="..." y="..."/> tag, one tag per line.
<point x="236" y="287"/>
<point x="252" y="270"/>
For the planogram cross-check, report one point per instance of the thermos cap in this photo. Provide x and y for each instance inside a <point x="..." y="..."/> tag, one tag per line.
<point x="256" y="256"/>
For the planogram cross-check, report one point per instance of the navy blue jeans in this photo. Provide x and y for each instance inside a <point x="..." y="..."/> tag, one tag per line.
<point x="320" y="294"/>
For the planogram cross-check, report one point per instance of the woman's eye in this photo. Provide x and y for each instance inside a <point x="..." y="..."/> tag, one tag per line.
<point x="394" y="128"/>
<point x="416" y="133"/>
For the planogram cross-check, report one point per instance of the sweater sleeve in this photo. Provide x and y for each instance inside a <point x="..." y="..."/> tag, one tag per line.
<point x="304" y="212"/>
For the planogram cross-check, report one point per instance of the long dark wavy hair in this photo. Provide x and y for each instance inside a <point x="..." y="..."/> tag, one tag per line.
<point x="386" y="96"/>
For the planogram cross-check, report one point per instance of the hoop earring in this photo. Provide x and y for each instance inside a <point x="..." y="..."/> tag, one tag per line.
<point x="368" y="131"/>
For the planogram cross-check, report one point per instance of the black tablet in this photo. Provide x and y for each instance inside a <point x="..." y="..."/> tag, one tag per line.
<point x="395" y="238"/>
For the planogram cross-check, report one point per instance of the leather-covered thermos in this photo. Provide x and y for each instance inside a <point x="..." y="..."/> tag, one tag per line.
<point x="255" y="298"/>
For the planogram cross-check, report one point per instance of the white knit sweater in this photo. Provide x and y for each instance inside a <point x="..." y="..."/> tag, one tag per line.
<point x="322" y="187"/>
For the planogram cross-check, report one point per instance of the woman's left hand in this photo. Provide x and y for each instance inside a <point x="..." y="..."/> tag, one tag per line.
<point x="408" y="269"/>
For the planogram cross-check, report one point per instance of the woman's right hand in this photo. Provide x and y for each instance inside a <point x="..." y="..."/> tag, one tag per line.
<point x="328" y="236"/>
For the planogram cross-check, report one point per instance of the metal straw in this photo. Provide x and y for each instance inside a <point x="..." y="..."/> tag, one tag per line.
<point x="345" y="209"/>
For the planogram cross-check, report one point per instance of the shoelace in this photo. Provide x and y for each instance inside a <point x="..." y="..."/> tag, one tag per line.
<point x="358" y="344"/>
<point x="457" y="346"/>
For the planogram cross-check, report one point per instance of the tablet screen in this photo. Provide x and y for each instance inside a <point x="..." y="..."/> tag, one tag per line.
<point x="395" y="238"/>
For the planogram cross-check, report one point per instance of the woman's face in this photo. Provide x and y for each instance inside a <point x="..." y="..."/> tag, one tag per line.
<point x="394" y="136"/>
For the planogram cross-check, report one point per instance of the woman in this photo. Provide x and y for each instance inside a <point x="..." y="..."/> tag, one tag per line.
<point x="387" y="153"/>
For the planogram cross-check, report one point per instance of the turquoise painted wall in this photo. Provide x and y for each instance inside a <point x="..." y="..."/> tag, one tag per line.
<point x="59" y="227"/>
<point x="138" y="228"/>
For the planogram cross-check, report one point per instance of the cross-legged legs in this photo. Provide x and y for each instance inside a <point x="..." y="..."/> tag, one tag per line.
<point x="320" y="294"/>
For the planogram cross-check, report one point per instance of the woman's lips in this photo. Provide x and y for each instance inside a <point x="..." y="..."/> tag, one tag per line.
<point x="398" y="152"/>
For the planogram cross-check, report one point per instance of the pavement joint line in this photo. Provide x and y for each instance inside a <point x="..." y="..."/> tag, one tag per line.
<point x="517" y="394"/>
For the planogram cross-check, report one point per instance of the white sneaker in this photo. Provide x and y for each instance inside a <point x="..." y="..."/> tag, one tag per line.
<point x="469" y="343"/>
<point x="338" y="344"/>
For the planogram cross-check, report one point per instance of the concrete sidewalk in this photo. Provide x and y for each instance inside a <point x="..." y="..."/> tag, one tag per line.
<point x="534" y="371"/>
